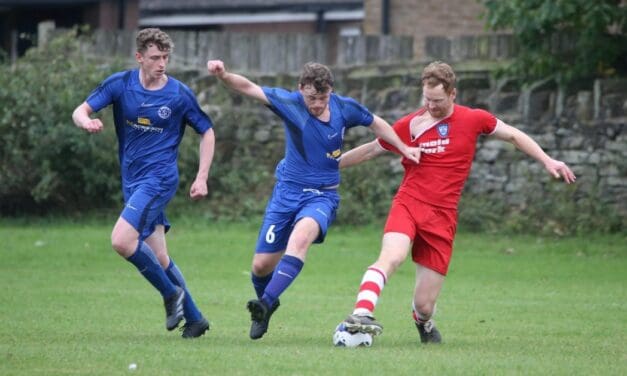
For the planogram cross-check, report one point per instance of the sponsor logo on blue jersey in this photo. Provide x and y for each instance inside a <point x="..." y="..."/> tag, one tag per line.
<point x="335" y="154"/>
<point x="143" y="121"/>
<point x="143" y="124"/>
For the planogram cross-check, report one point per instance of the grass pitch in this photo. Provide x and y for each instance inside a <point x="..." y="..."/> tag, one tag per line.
<point x="525" y="305"/>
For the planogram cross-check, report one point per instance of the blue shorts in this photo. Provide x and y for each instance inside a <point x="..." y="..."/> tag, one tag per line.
<point x="144" y="206"/>
<point x="287" y="206"/>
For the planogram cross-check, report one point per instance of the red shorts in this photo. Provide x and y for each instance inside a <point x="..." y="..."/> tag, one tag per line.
<point x="431" y="228"/>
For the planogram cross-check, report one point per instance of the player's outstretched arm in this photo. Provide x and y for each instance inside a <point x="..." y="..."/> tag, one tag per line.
<point x="361" y="154"/>
<point x="526" y="144"/>
<point x="81" y="118"/>
<point x="236" y="82"/>
<point x="199" y="188"/>
<point x="383" y="130"/>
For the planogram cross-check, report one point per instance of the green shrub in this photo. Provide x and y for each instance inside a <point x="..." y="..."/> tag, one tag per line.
<point x="46" y="162"/>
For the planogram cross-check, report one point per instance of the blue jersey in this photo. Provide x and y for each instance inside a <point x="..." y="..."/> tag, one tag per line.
<point x="313" y="147"/>
<point x="149" y="125"/>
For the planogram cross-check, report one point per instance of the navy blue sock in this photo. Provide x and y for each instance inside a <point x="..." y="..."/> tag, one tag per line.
<point x="146" y="262"/>
<point x="192" y="313"/>
<point x="260" y="283"/>
<point x="285" y="273"/>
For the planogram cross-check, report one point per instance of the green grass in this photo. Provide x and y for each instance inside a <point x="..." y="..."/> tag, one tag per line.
<point x="526" y="305"/>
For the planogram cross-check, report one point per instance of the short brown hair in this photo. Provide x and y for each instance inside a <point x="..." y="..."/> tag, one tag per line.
<point x="317" y="75"/>
<point x="438" y="73"/>
<point x="155" y="36"/>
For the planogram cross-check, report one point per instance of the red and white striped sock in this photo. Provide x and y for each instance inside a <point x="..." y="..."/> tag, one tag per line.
<point x="369" y="290"/>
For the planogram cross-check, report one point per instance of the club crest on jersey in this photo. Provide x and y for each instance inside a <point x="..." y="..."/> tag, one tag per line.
<point x="164" y="112"/>
<point x="443" y="130"/>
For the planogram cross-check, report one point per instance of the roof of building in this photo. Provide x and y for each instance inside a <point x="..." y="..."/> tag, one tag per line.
<point x="150" y="6"/>
<point x="46" y="3"/>
<point x="168" y="13"/>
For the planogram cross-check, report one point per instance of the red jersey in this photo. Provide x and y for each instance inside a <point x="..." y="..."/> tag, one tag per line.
<point x="448" y="149"/>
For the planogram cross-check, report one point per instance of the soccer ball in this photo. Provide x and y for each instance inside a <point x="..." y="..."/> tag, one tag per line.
<point x="343" y="338"/>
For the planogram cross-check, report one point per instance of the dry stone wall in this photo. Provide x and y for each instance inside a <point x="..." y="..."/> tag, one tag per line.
<point x="584" y="127"/>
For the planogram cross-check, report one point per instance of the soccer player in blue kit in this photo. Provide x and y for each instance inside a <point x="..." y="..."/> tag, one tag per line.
<point x="150" y="112"/>
<point x="305" y="197"/>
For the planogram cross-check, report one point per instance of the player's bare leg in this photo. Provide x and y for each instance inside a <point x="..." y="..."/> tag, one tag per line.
<point x="428" y="286"/>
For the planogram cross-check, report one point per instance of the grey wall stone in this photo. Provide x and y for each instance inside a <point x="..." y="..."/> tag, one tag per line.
<point x="585" y="129"/>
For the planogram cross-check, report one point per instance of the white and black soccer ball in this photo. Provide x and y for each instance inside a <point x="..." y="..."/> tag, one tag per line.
<point x="343" y="338"/>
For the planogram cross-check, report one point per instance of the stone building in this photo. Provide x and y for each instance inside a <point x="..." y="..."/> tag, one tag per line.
<point x="423" y="18"/>
<point x="19" y="19"/>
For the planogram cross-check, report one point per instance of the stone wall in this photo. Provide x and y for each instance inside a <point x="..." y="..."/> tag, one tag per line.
<point x="585" y="128"/>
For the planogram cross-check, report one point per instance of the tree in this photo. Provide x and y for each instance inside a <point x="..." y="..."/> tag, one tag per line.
<point x="564" y="39"/>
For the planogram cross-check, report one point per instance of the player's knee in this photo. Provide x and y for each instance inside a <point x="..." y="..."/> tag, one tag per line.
<point x="262" y="267"/>
<point x="121" y="245"/>
<point x="424" y="308"/>
<point x="299" y="243"/>
<point x="163" y="258"/>
<point x="389" y="264"/>
<point x="305" y="232"/>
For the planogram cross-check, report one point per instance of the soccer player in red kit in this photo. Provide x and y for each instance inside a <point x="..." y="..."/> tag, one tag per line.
<point x="423" y="214"/>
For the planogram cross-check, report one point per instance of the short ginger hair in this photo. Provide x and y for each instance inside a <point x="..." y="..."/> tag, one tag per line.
<point x="438" y="73"/>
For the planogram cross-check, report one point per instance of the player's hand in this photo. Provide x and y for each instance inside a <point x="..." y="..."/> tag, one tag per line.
<point x="412" y="153"/>
<point x="92" y="126"/>
<point x="198" y="190"/>
<point x="559" y="169"/>
<point x="216" y="68"/>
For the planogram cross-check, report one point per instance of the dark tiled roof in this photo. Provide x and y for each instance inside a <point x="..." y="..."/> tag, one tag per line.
<point x="149" y="6"/>
<point x="46" y="3"/>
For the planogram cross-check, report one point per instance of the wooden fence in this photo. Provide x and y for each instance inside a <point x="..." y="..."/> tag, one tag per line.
<point x="262" y="53"/>
<point x="287" y="52"/>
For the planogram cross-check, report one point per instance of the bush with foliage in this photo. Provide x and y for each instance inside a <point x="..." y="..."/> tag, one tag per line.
<point x="45" y="161"/>
<point x="564" y="39"/>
